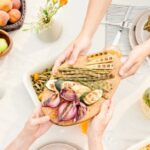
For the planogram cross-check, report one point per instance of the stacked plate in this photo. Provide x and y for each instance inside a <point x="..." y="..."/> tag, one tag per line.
<point x="137" y="34"/>
<point x="59" y="146"/>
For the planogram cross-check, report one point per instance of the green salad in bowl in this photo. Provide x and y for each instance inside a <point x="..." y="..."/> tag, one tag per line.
<point x="146" y="102"/>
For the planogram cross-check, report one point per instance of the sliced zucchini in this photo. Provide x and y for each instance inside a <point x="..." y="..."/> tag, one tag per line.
<point x="58" y="84"/>
<point x="93" y="97"/>
<point x="80" y="89"/>
<point x="83" y="96"/>
<point x="51" y="85"/>
<point x="68" y="84"/>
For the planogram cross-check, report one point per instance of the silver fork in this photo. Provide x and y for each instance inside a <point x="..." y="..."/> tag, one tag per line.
<point x="127" y="25"/>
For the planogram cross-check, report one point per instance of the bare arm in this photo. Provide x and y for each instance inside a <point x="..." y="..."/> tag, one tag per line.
<point x="95" y="143"/>
<point x="35" y="127"/>
<point x="95" y="12"/>
<point x="22" y="141"/>
<point x="98" y="125"/>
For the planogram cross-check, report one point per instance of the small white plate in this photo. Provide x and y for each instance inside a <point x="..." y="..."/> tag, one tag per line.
<point x="58" y="146"/>
<point x="140" y="145"/>
<point x="136" y="33"/>
<point x="140" y="34"/>
<point x="132" y="38"/>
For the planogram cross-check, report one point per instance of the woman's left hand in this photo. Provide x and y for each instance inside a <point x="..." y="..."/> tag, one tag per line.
<point x="35" y="127"/>
<point x="37" y="124"/>
<point x="134" y="61"/>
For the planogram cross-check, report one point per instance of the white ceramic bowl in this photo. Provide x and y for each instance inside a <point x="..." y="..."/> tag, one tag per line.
<point x="140" y="145"/>
<point x="28" y="83"/>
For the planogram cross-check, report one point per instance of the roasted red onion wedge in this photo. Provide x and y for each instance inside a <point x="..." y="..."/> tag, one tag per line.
<point x="53" y="101"/>
<point x="67" y="111"/>
<point x="68" y="94"/>
<point x="82" y="109"/>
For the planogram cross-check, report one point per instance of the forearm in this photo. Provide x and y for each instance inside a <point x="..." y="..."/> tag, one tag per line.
<point x="95" y="12"/>
<point x="95" y="143"/>
<point x="22" y="142"/>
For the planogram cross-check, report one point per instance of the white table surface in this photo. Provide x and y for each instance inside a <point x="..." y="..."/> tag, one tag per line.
<point x="28" y="51"/>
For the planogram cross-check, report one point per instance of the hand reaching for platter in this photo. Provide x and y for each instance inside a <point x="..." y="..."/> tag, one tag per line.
<point x="98" y="126"/>
<point x="135" y="59"/>
<point x="78" y="47"/>
<point x="37" y="124"/>
<point x="35" y="127"/>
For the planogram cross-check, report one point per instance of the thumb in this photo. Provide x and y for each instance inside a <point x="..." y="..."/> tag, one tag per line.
<point x="62" y="58"/>
<point x="74" y="56"/>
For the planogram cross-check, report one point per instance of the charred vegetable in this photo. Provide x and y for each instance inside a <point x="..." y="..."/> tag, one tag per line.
<point x="68" y="94"/>
<point x="106" y="66"/>
<point x="51" y="85"/>
<point x="58" y="85"/>
<point x="67" y="111"/>
<point x="92" y="97"/>
<point x="101" y="60"/>
<point x="71" y="111"/>
<point x="94" y="56"/>
<point x="104" y="85"/>
<point x="40" y="79"/>
<point x="53" y="100"/>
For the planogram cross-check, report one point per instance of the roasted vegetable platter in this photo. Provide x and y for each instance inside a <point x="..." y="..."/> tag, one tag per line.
<point x="75" y="93"/>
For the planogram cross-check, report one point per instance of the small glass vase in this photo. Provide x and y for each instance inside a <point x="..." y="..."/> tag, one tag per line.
<point x="51" y="33"/>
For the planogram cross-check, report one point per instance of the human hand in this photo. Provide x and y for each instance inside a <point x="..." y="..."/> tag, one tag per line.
<point x="37" y="124"/>
<point x="135" y="59"/>
<point x="100" y="122"/>
<point x="78" y="47"/>
<point x="98" y="126"/>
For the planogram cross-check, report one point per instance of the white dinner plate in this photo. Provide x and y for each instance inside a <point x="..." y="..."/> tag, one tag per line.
<point x="132" y="38"/>
<point x="136" y="33"/>
<point x="58" y="146"/>
<point x="141" y="34"/>
<point x="140" y="145"/>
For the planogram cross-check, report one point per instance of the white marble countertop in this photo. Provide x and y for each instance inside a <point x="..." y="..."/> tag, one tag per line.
<point x="16" y="104"/>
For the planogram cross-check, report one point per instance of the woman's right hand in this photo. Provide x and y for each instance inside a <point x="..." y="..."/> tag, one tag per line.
<point x="78" y="47"/>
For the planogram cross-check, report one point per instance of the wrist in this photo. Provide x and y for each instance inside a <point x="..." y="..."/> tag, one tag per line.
<point x="95" y="142"/>
<point x="95" y="135"/>
<point x="85" y="34"/>
<point x="24" y="140"/>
